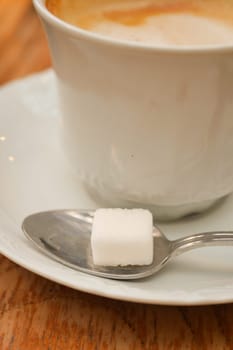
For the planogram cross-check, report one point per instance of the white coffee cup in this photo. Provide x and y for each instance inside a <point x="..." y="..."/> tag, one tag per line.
<point x="145" y="126"/>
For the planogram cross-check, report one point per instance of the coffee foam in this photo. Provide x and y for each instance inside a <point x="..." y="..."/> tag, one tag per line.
<point x="178" y="29"/>
<point x="155" y="22"/>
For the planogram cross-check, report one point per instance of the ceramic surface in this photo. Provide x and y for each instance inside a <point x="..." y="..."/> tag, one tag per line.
<point x="145" y="126"/>
<point x="35" y="176"/>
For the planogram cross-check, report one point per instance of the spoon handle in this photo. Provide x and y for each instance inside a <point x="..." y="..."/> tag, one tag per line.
<point x="182" y="245"/>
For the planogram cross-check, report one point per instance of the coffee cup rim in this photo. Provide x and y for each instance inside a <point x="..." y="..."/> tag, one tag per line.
<point x="78" y="32"/>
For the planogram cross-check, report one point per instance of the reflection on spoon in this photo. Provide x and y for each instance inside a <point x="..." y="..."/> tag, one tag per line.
<point x="65" y="236"/>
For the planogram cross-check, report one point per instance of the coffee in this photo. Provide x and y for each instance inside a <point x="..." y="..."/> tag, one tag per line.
<point x="157" y="22"/>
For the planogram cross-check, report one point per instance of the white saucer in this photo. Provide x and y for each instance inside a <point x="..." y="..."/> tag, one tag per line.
<point x="35" y="177"/>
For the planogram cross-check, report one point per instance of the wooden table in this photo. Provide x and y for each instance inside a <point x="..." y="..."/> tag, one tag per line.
<point x="38" y="314"/>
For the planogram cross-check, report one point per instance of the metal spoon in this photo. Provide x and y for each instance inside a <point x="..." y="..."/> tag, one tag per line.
<point x="65" y="235"/>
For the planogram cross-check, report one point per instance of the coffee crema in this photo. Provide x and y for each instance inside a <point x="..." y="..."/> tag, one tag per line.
<point x="154" y="22"/>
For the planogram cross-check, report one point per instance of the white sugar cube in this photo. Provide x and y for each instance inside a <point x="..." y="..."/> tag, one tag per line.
<point x="122" y="237"/>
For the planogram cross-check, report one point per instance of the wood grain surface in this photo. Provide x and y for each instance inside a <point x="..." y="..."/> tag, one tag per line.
<point x="36" y="314"/>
